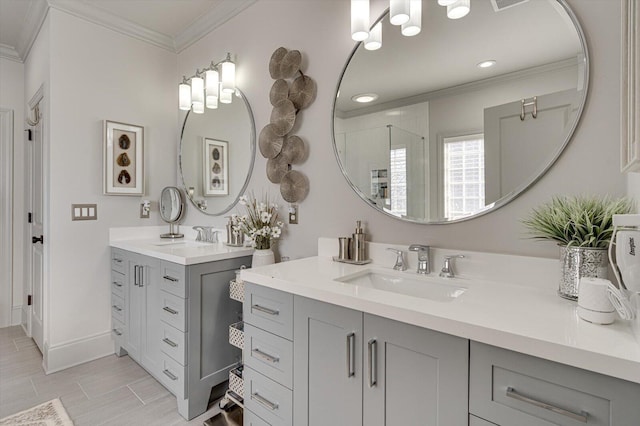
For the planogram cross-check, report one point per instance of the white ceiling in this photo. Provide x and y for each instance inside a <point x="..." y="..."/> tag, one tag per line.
<point x="170" y="24"/>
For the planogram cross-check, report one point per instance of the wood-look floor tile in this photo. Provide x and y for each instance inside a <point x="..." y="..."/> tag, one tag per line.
<point x="148" y="389"/>
<point x="161" y="412"/>
<point x="112" y="378"/>
<point x="11" y="332"/>
<point x="108" y="406"/>
<point x="23" y="342"/>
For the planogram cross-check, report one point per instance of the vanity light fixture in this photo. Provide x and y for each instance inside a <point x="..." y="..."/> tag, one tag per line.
<point x="414" y="25"/>
<point x="374" y="42"/>
<point x="398" y="11"/>
<point x="446" y="2"/>
<point x="458" y="9"/>
<point x="364" y="98"/>
<point x="218" y="84"/>
<point x="486" y="64"/>
<point x="359" y="19"/>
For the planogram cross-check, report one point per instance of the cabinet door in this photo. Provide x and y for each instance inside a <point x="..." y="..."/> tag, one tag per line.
<point x="135" y="315"/>
<point x="327" y="364"/>
<point x="152" y="329"/>
<point x="413" y="376"/>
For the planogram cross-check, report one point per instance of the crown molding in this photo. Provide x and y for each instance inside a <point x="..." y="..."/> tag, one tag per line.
<point x="226" y="10"/>
<point x="30" y="29"/>
<point x="8" y="52"/>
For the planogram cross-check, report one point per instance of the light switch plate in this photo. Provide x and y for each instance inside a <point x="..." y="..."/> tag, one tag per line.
<point x="144" y="213"/>
<point x="84" y="212"/>
<point x="293" y="214"/>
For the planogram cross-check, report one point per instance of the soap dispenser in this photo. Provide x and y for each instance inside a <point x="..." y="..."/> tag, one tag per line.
<point x="359" y="253"/>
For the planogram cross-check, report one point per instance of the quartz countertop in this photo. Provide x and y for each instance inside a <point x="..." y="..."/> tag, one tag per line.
<point x="526" y="319"/>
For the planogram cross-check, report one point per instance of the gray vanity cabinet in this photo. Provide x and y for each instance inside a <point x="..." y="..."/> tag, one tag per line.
<point x="358" y="369"/>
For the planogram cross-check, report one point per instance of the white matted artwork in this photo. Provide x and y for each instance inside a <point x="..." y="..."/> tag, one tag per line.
<point x="216" y="167"/>
<point x="123" y="159"/>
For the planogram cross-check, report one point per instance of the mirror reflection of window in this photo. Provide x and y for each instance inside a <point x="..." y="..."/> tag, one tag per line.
<point x="398" y="163"/>
<point x="463" y="175"/>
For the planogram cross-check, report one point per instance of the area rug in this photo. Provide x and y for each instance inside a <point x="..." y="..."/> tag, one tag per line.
<point x="50" y="413"/>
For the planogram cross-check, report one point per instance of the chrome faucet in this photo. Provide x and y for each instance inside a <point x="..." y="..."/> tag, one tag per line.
<point x="207" y="234"/>
<point x="423" y="258"/>
<point x="401" y="264"/>
<point x="447" y="267"/>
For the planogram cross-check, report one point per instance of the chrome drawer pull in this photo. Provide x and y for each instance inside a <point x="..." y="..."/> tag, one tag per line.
<point x="117" y="284"/>
<point x="270" y="405"/>
<point x="373" y="373"/>
<point x="170" y="375"/>
<point x="117" y="260"/>
<point x="167" y="277"/>
<point x="117" y="308"/>
<point x="266" y="356"/>
<point x="170" y="343"/>
<point x="171" y="311"/>
<point x="265" y="310"/>
<point x="582" y="417"/>
<point x="118" y="332"/>
<point x="351" y="360"/>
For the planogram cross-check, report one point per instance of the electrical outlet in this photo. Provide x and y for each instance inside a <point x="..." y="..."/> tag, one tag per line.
<point x="293" y="214"/>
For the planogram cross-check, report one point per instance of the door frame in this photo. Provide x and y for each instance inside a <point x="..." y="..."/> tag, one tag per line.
<point x="6" y="211"/>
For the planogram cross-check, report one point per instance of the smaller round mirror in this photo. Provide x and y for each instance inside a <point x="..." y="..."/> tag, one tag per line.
<point x="172" y="210"/>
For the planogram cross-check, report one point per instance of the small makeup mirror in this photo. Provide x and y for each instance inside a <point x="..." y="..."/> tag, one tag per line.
<point x="172" y="210"/>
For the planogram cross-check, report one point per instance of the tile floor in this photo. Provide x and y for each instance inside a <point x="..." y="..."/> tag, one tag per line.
<point x="108" y="391"/>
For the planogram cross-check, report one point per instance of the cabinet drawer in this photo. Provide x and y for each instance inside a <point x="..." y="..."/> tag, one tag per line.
<point x="173" y="343"/>
<point x="511" y="388"/>
<point x="117" y="308"/>
<point x="267" y="399"/>
<point x="477" y="421"/>
<point x="118" y="261"/>
<point x="172" y="375"/>
<point x="173" y="279"/>
<point x="251" y="419"/>
<point x="269" y="354"/>
<point x="268" y="309"/>
<point x="117" y="329"/>
<point x="118" y="283"/>
<point x="173" y="310"/>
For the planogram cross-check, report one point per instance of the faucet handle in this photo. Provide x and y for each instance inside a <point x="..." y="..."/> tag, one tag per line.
<point x="401" y="264"/>
<point x="447" y="270"/>
<point x="200" y="234"/>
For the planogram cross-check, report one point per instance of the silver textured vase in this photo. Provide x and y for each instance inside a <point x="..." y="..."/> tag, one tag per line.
<point x="577" y="262"/>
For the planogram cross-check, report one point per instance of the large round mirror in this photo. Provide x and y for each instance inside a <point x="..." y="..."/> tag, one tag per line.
<point x="217" y="150"/>
<point x="458" y="120"/>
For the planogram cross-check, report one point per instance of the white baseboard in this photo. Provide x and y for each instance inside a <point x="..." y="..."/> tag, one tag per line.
<point x="16" y="315"/>
<point x="65" y="355"/>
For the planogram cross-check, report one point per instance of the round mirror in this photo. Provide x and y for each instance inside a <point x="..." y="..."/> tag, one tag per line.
<point x="460" y="119"/>
<point x="171" y="204"/>
<point x="217" y="151"/>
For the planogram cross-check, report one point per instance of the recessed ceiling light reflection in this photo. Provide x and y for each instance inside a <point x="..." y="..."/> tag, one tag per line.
<point x="486" y="64"/>
<point x="364" y="98"/>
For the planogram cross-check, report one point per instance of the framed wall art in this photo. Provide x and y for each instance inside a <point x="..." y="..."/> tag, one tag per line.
<point x="123" y="159"/>
<point x="216" y="167"/>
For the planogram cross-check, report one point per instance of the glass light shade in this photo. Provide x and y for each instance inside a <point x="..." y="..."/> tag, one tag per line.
<point x="414" y="25"/>
<point x="446" y="2"/>
<point x="228" y="77"/>
<point x="399" y="12"/>
<point x="212" y="101"/>
<point x="374" y="42"/>
<point x="184" y="97"/>
<point x="359" y="19"/>
<point x="198" y="107"/>
<point x="458" y="9"/>
<point x="211" y="80"/>
<point x="226" y="97"/>
<point x="197" y="90"/>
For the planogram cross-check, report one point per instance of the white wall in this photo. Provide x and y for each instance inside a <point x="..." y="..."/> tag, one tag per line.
<point x="12" y="97"/>
<point x="320" y="30"/>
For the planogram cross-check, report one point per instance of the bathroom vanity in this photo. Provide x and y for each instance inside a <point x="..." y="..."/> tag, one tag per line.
<point x="171" y="311"/>
<point x="323" y="350"/>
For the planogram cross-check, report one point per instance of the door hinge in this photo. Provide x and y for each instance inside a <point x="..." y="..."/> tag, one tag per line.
<point x="29" y="300"/>
<point x="29" y="217"/>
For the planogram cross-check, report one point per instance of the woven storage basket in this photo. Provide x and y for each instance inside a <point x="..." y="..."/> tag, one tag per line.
<point x="236" y="334"/>
<point x="236" y="290"/>
<point x="236" y="382"/>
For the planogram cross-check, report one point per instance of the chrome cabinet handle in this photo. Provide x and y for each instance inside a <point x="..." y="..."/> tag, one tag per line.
<point x="170" y="375"/>
<point x="141" y="270"/>
<point x="266" y="310"/>
<point x="115" y="259"/>
<point x="171" y="311"/>
<point x="581" y="417"/>
<point x="168" y="278"/>
<point x="117" y="284"/>
<point x="373" y="374"/>
<point x="270" y="358"/>
<point x="351" y="361"/>
<point x="117" y="308"/>
<point x="170" y="342"/>
<point x="136" y="276"/>
<point x="118" y="332"/>
<point x="262" y="400"/>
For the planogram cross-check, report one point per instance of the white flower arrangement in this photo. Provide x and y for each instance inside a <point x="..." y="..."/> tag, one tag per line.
<point x="260" y="224"/>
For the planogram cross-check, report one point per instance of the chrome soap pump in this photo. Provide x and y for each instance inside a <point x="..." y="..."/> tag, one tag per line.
<point x="358" y="251"/>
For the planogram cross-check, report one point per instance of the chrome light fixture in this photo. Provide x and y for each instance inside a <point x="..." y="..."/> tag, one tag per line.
<point x="218" y="85"/>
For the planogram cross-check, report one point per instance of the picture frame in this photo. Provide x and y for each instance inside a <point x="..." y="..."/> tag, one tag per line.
<point x="123" y="159"/>
<point x="215" y="177"/>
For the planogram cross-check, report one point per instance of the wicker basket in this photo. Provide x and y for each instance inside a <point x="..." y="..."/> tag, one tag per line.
<point x="236" y="382"/>
<point x="236" y="334"/>
<point x="236" y="290"/>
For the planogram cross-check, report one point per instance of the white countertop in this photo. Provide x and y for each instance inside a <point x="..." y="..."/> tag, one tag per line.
<point x="184" y="251"/>
<point x="527" y="319"/>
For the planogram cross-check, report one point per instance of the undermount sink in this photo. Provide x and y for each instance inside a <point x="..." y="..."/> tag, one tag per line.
<point x="182" y="244"/>
<point x="425" y="287"/>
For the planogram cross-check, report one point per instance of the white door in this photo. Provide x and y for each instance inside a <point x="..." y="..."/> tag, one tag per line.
<point x="36" y="235"/>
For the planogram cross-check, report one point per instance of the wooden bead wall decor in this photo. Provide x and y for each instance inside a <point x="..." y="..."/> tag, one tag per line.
<point x="291" y="92"/>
